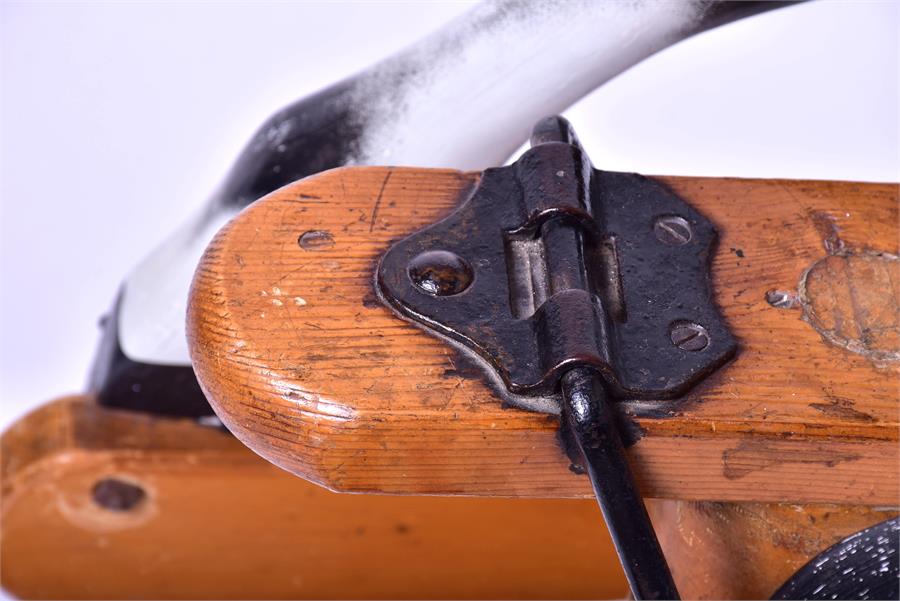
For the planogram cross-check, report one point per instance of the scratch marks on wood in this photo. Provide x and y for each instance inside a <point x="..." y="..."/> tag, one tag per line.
<point x="853" y="301"/>
<point x="759" y="454"/>
<point x="384" y="184"/>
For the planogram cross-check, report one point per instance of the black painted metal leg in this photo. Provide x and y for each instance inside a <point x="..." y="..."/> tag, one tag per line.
<point x="594" y="431"/>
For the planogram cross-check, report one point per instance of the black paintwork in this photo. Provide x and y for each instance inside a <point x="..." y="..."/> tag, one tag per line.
<point x="317" y="133"/>
<point x="122" y="383"/>
<point x="865" y="565"/>
<point x="594" y="285"/>
<point x="591" y="425"/>
<point x="720" y="13"/>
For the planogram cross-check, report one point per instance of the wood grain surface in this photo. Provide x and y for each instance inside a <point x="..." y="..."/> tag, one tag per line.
<point x="748" y="550"/>
<point x="218" y="522"/>
<point x="309" y="369"/>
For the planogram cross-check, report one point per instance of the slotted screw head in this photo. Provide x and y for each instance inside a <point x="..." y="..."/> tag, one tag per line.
<point x="672" y="230"/>
<point x="689" y="336"/>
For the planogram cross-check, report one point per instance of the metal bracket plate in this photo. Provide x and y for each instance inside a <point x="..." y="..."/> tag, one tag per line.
<point x="552" y="264"/>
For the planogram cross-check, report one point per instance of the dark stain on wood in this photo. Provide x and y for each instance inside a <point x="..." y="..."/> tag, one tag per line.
<point x="462" y="366"/>
<point x="401" y="528"/>
<point x="629" y="430"/>
<point x="370" y="301"/>
<point x="828" y="229"/>
<point x="842" y="408"/>
<point x="759" y="454"/>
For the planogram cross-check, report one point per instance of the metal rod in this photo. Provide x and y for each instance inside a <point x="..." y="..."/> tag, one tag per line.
<point x="590" y="421"/>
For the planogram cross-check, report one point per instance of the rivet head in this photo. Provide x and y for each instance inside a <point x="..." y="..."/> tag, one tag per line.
<point x="440" y="273"/>
<point x="689" y="336"/>
<point x="672" y="230"/>
<point x="117" y="495"/>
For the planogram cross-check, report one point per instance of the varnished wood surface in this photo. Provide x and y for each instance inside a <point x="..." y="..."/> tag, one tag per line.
<point x="305" y="366"/>
<point x="748" y="550"/>
<point x="218" y="522"/>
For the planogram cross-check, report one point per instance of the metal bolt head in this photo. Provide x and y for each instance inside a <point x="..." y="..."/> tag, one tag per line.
<point x="672" y="230"/>
<point x="117" y="495"/>
<point x="689" y="336"/>
<point x="440" y="273"/>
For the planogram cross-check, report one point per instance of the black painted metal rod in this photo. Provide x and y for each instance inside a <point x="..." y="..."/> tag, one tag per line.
<point x="592" y="426"/>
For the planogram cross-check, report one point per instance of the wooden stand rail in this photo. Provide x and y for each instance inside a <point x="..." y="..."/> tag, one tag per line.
<point x="218" y="522"/>
<point x="309" y="369"/>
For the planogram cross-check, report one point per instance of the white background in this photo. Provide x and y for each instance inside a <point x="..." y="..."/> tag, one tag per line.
<point x="118" y="119"/>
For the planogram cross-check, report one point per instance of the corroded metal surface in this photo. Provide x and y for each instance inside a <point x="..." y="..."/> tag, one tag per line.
<point x="572" y="266"/>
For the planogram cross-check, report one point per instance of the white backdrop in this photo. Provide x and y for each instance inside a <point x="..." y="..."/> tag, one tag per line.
<point x="118" y="119"/>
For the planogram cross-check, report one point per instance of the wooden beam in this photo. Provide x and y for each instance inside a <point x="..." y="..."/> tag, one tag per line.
<point x="748" y="550"/>
<point x="309" y="369"/>
<point x="216" y="521"/>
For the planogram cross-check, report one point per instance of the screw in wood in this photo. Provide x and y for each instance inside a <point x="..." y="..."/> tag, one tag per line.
<point x="689" y="336"/>
<point x="672" y="230"/>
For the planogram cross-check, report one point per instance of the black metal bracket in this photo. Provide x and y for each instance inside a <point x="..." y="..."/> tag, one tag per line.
<point x="552" y="264"/>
